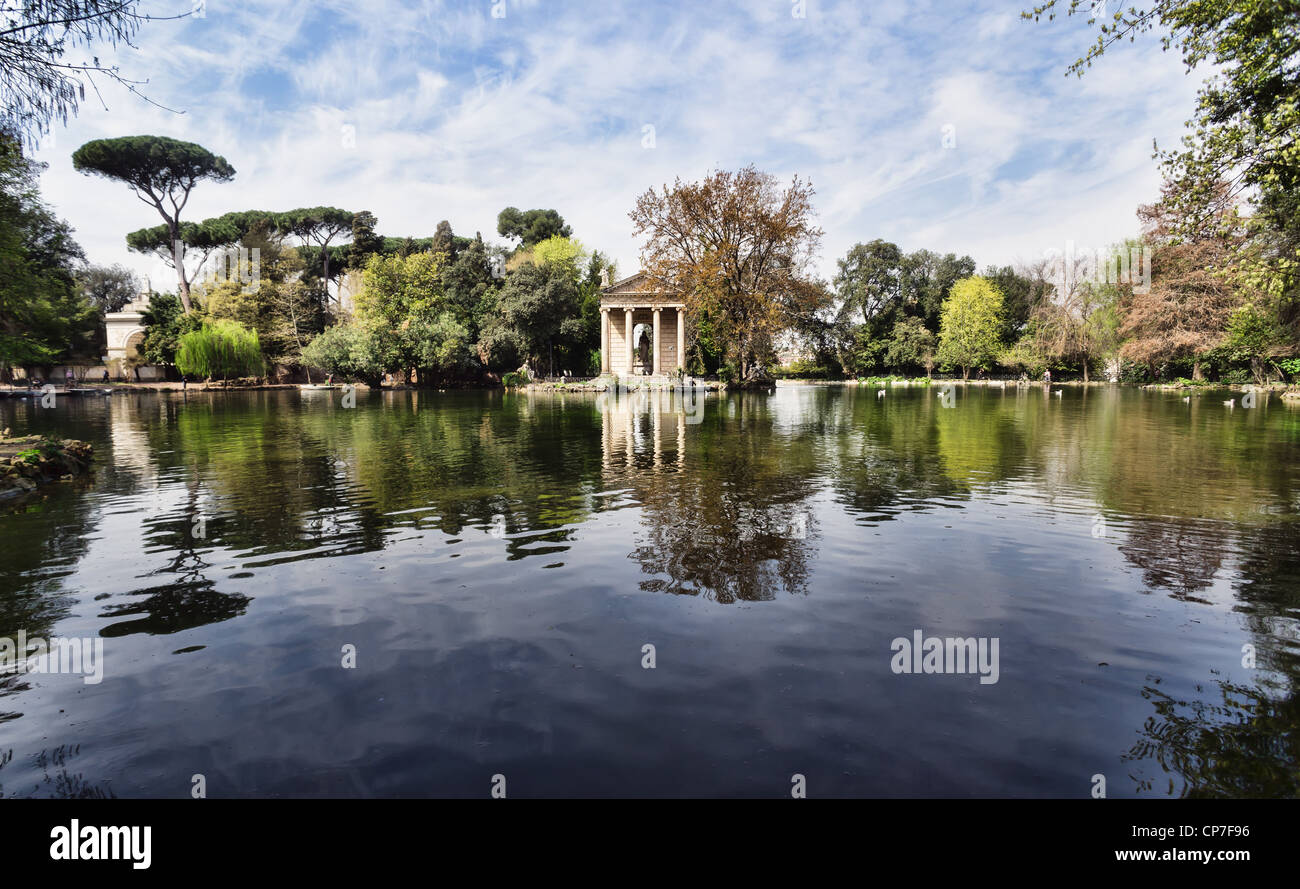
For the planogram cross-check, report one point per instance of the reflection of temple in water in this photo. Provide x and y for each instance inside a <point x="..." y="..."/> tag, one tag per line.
<point x="647" y="427"/>
<point x="725" y="521"/>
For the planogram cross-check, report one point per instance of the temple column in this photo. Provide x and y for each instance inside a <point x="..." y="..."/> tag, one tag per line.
<point x="681" y="339"/>
<point x="656" y="365"/>
<point x="631" y="347"/>
<point x="604" y="341"/>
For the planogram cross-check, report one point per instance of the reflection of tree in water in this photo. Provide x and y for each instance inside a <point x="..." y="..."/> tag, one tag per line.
<point x="174" y="607"/>
<point x="40" y="540"/>
<point x="1245" y="745"/>
<point x="888" y="458"/>
<point x="11" y="684"/>
<point x="1268" y="590"/>
<point x="731" y="550"/>
<point x="1245" y="742"/>
<point x="57" y="782"/>
<point x="1178" y="555"/>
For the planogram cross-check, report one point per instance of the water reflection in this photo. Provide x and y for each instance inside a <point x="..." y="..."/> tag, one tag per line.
<point x="749" y="534"/>
<point x="499" y="554"/>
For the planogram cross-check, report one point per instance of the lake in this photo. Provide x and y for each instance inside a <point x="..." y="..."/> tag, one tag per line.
<point x="590" y="595"/>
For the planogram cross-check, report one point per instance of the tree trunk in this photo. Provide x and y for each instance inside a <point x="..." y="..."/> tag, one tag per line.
<point x="965" y="373"/>
<point x="178" y="259"/>
<point x="1085" y="371"/>
<point x="1197" y="372"/>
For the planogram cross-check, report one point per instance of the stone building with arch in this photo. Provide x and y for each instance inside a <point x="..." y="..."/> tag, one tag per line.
<point x="123" y="336"/>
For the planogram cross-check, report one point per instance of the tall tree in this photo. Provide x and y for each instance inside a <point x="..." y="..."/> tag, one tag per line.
<point x="1243" y="135"/>
<point x="536" y="311"/>
<point x="870" y="284"/>
<point x="319" y="227"/>
<point x="1193" y="293"/>
<point x="738" y="249"/>
<point x="365" y="242"/>
<point x="161" y="172"/>
<point x="44" y="316"/>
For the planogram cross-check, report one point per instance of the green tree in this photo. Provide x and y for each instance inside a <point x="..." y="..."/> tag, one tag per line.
<point x="365" y="242"/>
<point x="926" y="278"/>
<point x="165" y="321"/>
<point x="318" y="227"/>
<point x="220" y="348"/>
<point x="910" y="345"/>
<point x="349" y="351"/>
<point x="1255" y="335"/>
<point x="531" y="226"/>
<point x="161" y="172"/>
<point x="108" y="288"/>
<point x="970" y="325"/>
<point x="869" y="284"/>
<point x="538" y="310"/>
<point x="44" y="315"/>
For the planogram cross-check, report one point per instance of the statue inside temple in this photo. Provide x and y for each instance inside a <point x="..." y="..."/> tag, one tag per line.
<point x="643" y="353"/>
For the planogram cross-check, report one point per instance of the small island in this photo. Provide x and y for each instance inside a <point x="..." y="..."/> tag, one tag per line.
<point x="29" y="461"/>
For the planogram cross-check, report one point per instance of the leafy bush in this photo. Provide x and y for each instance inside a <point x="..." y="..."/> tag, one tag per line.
<point x="346" y="351"/>
<point x="802" y="370"/>
<point x="220" y="348"/>
<point x="514" y="380"/>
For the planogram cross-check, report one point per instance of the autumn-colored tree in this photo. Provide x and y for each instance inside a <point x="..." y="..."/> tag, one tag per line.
<point x="738" y="248"/>
<point x="1193" y="292"/>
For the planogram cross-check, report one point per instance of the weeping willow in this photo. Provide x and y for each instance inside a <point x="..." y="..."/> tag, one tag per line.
<point x="222" y="349"/>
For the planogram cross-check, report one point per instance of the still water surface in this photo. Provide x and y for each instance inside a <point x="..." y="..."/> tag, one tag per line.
<point x="499" y="562"/>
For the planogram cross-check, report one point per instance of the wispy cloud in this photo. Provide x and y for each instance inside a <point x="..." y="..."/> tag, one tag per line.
<point x="928" y="124"/>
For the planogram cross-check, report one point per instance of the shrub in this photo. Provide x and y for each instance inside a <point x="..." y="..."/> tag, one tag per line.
<point x="346" y="351"/>
<point x="514" y="380"/>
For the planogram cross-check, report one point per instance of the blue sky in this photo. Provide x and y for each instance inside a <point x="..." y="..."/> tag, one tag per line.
<point x="425" y="111"/>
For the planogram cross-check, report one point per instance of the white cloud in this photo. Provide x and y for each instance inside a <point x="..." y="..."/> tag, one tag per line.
<point x="458" y="114"/>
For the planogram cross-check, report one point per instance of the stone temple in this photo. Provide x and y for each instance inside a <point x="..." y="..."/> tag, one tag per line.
<point x="642" y="330"/>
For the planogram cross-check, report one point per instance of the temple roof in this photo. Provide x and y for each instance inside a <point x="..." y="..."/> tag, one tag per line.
<point x="629" y="286"/>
